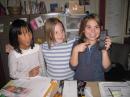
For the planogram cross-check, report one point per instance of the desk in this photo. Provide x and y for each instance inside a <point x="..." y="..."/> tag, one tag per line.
<point x="95" y="89"/>
<point x="39" y="87"/>
<point x="93" y="86"/>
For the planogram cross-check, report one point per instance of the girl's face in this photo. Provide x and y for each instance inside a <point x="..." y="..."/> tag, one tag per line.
<point x="25" y="38"/>
<point x="59" y="33"/>
<point x="92" y="30"/>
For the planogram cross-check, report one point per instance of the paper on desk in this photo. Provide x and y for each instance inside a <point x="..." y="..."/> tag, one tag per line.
<point x="38" y="85"/>
<point x="70" y="89"/>
<point x="128" y="82"/>
<point x="88" y="92"/>
<point x="114" y="89"/>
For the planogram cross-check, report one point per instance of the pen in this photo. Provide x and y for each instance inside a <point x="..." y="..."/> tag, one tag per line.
<point x="110" y="92"/>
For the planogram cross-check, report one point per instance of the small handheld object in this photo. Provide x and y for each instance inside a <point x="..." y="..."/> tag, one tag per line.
<point x="102" y="38"/>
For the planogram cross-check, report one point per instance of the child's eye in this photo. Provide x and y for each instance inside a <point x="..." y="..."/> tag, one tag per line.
<point x="62" y="31"/>
<point x="88" y="27"/>
<point x="97" y="27"/>
<point x="55" y="32"/>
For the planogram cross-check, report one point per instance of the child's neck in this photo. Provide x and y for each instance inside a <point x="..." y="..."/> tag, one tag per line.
<point x="91" y="42"/>
<point x="24" y="47"/>
<point x="59" y="42"/>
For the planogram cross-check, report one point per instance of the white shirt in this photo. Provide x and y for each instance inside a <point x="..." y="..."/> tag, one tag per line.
<point x="20" y="64"/>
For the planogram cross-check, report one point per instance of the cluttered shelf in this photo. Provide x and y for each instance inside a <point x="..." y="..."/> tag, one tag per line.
<point x="25" y="7"/>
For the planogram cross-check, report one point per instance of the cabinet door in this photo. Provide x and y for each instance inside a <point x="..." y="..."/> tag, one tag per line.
<point x="113" y="17"/>
<point x="73" y="22"/>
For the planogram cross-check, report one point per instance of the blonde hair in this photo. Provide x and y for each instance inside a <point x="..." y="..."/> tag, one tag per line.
<point x="49" y="28"/>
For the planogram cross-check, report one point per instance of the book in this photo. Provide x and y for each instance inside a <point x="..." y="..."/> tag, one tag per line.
<point x="15" y="91"/>
<point x="29" y="87"/>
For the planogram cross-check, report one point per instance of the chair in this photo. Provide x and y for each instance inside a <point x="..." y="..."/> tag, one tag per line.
<point x="119" y="59"/>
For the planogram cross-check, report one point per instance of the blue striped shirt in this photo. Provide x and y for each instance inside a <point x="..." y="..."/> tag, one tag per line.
<point x="57" y="60"/>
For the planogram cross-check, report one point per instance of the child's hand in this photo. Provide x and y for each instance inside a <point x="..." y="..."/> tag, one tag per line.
<point x="81" y="47"/>
<point x="107" y="43"/>
<point x="34" y="72"/>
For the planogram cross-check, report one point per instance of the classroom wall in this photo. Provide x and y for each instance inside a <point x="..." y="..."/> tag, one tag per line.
<point x="94" y="8"/>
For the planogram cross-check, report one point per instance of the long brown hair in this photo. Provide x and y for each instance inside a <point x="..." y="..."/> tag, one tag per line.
<point x="84" y="22"/>
<point x="49" y="28"/>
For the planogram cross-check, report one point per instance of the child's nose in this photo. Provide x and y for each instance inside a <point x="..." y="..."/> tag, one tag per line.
<point x="93" y="30"/>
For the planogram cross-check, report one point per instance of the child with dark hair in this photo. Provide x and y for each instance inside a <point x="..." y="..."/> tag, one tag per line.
<point x="26" y="59"/>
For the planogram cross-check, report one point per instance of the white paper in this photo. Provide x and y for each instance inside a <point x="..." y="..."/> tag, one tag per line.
<point x="39" y="21"/>
<point x="70" y="89"/>
<point x="114" y="89"/>
<point x="88" y="92"/>
<point x="38" y="85"/>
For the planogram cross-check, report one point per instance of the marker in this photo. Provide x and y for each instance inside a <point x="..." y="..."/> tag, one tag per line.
<point x="110" y="92"/>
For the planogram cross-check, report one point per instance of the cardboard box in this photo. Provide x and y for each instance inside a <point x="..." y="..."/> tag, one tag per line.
<point x="75" y="8"/>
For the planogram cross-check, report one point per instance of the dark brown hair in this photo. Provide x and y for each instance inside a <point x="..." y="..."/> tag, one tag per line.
<point x="84" y="22"/>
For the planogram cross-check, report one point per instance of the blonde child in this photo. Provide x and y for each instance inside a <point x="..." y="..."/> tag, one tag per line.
<point x="25" y="59"/>
<point x="87" y="60"/>
<point x="57" y="50"/>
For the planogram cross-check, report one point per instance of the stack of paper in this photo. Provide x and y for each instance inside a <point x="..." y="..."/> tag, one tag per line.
<point x="114" y="89"/>
<point x="70" y="89"/>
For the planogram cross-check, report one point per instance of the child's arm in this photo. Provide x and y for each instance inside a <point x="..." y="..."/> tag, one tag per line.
<point x="105" y="55"/>
<point x="42" y="62"/>
<point x="75" y="52"/>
